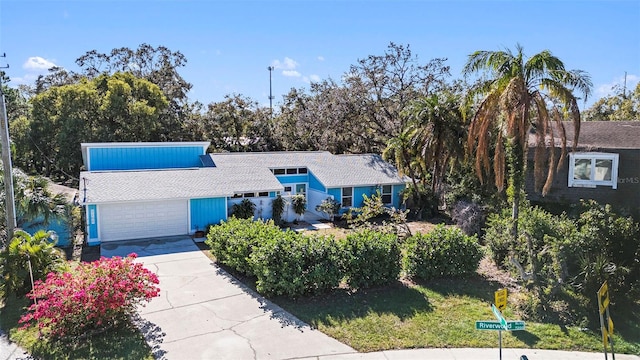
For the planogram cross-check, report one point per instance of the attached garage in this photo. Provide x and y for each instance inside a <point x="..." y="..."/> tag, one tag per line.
<point x="137" y="220"/>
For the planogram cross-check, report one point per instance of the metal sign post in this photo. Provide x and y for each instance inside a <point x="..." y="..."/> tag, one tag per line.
<point x="606" y="324"/>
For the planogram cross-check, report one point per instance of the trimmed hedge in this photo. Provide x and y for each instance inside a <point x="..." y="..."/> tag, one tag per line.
<point x="286" y="263"/>
<point x="233" y="241"/>
<point x="292" y="265"/>
<point x="443" y="252"/>
<point x="370" y="258"/>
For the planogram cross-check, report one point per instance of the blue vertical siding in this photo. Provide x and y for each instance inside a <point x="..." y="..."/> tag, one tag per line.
<point x="336" y="193"/>
<point x="292" y="179"/>
<point x="359" y="191"/>
<point x="396" y="197"/>
<point x="131" y="158"/>
<point x="315" y="184"/>
<point x="205" y="212"/>
<point x="92" y="224"/>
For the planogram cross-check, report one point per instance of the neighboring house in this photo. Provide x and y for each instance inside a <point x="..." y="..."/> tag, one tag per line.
<point x="605" y="167"/>
<point x="139" y="190"/>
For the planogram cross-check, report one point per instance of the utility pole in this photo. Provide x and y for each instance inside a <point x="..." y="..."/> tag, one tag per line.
<point x="10" y="203"/>
<point x="270" y="68"/>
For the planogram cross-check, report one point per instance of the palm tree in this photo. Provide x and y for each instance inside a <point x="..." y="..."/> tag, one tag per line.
<point x="436" y="134"/>
<point x="520" y="95"/>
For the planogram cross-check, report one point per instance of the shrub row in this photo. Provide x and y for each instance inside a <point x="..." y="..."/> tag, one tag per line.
<point x="291" y="264"/>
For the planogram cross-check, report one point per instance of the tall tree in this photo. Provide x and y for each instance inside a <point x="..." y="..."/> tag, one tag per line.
<point x="519" y="94"/>
<point x="237" y="124"/>
<point x="386" y="84"/>
<point x="621" y="106"/>
<point x="117" y="107"/>
<point x="158" y="65"/>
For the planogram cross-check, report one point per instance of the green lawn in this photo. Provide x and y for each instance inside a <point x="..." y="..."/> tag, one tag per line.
<point x="122" y="343"/>
<point x="443" y="314"/>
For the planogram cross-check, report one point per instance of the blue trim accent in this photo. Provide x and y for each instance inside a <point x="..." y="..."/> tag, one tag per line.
<point x="272" y="194"/>
<point x="205" y="212"/>
<point x="133" y="158"/>
<point x="293" y="179"/>
<point x="315" y="184"/>
<point x="92" y="225"/>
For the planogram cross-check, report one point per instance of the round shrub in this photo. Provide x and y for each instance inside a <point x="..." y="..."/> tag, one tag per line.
<point x="370" y="258"/>
<point x="293" y="265"/>
<point x="233" y="241"/>
<point x="443" y="252"/>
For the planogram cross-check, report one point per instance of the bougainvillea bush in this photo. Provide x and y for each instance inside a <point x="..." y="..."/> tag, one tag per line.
<point x="90" y="298"/>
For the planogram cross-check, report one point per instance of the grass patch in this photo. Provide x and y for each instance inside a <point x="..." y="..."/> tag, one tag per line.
<point x="119" y="343"/>
<point x="440" y="314"/>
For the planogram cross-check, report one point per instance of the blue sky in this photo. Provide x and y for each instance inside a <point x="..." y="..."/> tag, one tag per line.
<point x="230" y="44"/>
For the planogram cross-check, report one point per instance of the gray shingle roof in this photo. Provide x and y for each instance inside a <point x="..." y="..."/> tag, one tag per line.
<point x="331" y="170"/>
<point x="120" y="186"/>
<point x="600" y="135"/>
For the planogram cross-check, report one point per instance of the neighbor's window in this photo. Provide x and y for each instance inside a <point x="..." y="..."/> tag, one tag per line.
<point x="386" y="194"/>
<point x="263" y="194"/>
<point x="278" y="171"/>
<point x="292" y="171"/>
<point x="302" y="170"/>
<point x="347" y="196"/>
<point x="593" y="169"/>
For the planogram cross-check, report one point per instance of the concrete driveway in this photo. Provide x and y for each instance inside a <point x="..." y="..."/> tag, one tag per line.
<point x="204" y="313"/>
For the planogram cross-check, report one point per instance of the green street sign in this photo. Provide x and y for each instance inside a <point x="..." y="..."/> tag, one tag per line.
<point x="495" y="325"/>
<point x="499" y="316"/>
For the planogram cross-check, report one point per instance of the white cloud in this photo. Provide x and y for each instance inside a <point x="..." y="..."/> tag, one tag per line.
<point x="311" y="78"/>
<point x="291" y="73"/>
<point x="604" y="90"/>
<point x="286" y="64"/>
<point x="320" y="58"/>
<point x="37" y="63"/>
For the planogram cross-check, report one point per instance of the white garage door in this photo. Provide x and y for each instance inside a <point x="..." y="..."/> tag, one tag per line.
<point x="143" y="220"/>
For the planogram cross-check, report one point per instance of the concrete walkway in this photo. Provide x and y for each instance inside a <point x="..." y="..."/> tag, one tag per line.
<point x="203" y="313"/>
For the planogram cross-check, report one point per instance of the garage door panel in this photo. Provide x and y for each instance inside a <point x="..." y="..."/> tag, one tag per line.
<point x="140" y="220"/>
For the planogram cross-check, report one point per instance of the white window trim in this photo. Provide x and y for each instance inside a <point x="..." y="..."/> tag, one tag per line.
<point x="593" y="156"/>
<point x="390" y="193"/>
<point x="342" y="196"/>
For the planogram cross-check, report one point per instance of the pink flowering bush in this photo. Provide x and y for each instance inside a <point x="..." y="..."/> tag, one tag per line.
<point x="91" y="297"/>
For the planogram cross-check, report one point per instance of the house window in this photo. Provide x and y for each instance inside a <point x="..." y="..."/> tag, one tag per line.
<point x="347" y="196"/>
<point x="386" y="194"/>
<point x="263" y="194"/>
<point x="593" y="169"/>
<point x="302" y="170"/>
<point x="249" y="195"/>
<point x="287" y="189"/>
<point x="236" y="196"/>
<point x="278" y="171"/>
<point x="292" y="171"/>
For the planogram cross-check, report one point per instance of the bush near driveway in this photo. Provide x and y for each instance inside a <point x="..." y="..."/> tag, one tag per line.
<point x="293" y="265"/>
<point x="286" y="263"/>
<point x="444" y="252"/>
<point x="233" y="241"/>
<point x="370" y="258"/>
<point x="92" y="297"/>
